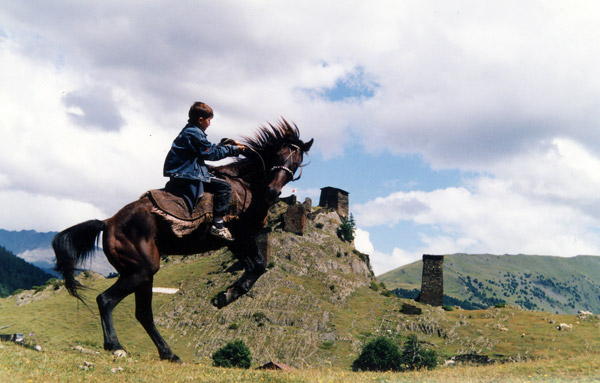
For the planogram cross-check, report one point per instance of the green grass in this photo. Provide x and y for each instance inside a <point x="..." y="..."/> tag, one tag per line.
<point x="295" y="331"/>
<point x="318" y="313"/>
<point x="20" y="364"/>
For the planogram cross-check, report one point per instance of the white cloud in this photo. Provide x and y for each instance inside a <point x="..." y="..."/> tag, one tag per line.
<point x="535" y="204"/>
<point x="362" y="241"/>
<point x="43" y="213"/>
<point x="94" y="93"/>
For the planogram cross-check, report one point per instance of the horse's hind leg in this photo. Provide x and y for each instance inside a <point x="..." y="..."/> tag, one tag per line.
<point x="143" y="313"/>
<point x="106" y="304"/>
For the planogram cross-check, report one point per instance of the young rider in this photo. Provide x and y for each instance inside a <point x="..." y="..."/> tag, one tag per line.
<point x="189" y="175"/>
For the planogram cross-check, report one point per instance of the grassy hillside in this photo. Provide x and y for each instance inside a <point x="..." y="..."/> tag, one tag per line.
<point x="314" y="309"/>
<point x="553" y="284"/>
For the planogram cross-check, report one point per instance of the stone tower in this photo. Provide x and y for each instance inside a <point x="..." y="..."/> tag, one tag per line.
<point x="336" y="199"/>
<point x="432" y="282"/>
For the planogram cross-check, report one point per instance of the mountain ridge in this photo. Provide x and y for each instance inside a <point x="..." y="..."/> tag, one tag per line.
<point x="548" y="283"/>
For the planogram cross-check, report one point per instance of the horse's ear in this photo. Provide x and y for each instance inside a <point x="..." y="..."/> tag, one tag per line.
<point x="306" y="146"/>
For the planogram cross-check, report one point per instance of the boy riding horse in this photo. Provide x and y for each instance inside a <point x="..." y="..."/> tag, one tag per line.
<point x="189" y="175"/>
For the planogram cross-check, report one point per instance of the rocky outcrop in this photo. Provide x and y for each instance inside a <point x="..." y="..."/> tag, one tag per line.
<point x="291" y="305"/>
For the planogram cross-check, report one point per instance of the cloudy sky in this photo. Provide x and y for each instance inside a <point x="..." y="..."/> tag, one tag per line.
<point x="456" y="126"/>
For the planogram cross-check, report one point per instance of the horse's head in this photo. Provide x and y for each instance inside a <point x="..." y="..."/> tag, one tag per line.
<point x="284" y="165"/>
<point x="280" y="152"/>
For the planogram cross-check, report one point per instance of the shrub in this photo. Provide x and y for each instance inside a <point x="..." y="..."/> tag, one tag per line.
<point x="346" y="229"/>
<point x="233" y="354"/>
<point x="415" y="357"/>
<point x="259" y="316"/>
<point x="380" y="354"/>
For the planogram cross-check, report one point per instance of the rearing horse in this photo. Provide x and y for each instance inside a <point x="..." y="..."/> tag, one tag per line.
<point x="135" y="237"/>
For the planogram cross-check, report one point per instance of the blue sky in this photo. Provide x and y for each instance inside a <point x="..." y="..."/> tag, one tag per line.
<point x="455" y="126"/>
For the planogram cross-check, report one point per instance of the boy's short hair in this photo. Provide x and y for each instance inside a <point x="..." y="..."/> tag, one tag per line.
<point x="198" y="110"/>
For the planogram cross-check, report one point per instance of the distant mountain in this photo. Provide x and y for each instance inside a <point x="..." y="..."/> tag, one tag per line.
<point x="16" y="274"/>
<point x="18" y="242"/>
<point x="36" y="248"/>
<point x="552" y="284"/>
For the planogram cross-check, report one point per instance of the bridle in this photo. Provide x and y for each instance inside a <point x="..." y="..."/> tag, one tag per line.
<point x="285" y="168"/>
<point x="295" y="149"/>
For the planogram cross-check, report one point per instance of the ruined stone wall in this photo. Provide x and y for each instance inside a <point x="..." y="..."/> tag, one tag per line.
<point x="432" y="283"/>
<point x="295" y="219"/>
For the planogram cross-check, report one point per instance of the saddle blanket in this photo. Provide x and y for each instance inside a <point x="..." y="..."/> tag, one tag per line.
<point x="176" y="206"/>
<point x="175" y="212"/>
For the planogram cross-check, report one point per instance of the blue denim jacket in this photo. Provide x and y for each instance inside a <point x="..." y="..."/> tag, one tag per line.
<point x="188" y="152"/>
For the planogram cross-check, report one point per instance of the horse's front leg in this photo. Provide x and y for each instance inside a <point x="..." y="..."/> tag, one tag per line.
<point x="255" y="265"/>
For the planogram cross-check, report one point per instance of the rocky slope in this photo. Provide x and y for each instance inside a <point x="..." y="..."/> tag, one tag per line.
<point x="290" y="312"/>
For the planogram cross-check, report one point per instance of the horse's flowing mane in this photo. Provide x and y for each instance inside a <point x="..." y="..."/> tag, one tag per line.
<point x="263" y="146"/>
<point x="273" y="136"/>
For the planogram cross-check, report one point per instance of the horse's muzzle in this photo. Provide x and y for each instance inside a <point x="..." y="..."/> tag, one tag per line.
<point x="272" y="194"/>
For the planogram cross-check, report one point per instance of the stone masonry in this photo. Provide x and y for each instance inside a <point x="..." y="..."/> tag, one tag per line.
<point x="295" y="219"/>
<point x="336" y="199"/>
<point x="432" y="283"/>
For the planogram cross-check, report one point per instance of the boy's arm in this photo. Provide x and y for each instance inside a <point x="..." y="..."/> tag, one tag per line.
<point x="211" y="152"/>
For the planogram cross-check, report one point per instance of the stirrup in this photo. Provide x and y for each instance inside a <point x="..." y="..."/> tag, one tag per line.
<point x="221" y="233"/>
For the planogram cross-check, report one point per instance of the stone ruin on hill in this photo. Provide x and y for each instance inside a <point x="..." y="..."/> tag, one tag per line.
<point x="336" y="199"/>
<point x="432" y="282"/>
<point x="296" y="215"/>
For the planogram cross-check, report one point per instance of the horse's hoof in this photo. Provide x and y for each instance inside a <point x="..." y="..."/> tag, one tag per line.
<point x="171" y="358"/>
<point x="119" y="353"/>
<point x="220" y="300"/>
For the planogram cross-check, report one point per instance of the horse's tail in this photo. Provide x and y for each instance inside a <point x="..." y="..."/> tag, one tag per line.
<point x="74" y="246"/>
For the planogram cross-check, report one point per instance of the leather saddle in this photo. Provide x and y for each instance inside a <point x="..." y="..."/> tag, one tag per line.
<point x="175" y="212"/>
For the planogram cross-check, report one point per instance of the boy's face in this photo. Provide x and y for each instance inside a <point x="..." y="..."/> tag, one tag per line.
<point x="204" y="123"/>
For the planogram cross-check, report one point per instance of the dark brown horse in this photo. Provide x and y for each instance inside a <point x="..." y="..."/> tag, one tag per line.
<point x="135" y="237"/>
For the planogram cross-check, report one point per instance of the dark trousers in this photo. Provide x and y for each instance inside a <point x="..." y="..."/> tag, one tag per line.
<point x="221" y="191"/>
<point x="191" y="191"/>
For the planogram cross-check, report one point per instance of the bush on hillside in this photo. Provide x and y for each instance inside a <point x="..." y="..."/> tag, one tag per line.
<point x="415" y="357"/>
<point x="233" y="354"/>
<point x="380" y="354"/>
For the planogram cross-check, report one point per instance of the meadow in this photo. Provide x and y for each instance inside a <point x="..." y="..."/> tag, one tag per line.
<point x="22" y="364"/>
<point x="316" y="316"/>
